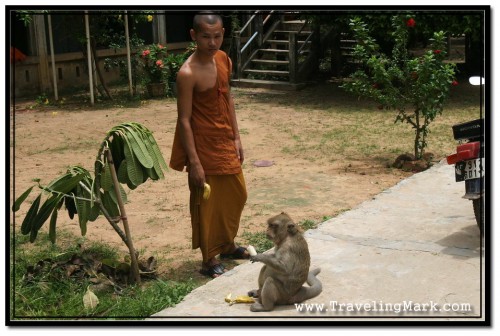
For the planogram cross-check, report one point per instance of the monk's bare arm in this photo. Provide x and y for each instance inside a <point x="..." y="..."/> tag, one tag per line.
<point x="234" y="122"/>
<point x="185" y="87"/>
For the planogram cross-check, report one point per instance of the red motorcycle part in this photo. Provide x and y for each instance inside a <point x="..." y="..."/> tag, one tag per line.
<point x="464" y="152"/>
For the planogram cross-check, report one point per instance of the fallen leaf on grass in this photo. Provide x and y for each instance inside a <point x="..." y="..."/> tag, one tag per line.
<point x="90" y="300"/>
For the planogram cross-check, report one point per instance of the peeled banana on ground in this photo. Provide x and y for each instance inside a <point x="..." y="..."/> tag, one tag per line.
<point x="238" y="299"/>
<point x="206" y="191"/>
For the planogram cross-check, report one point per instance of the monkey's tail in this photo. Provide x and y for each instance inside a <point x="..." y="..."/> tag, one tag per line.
<point x="314" y="289"/>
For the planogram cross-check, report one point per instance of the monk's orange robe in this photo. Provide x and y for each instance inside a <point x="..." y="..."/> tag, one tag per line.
<point x="214" y="221"/>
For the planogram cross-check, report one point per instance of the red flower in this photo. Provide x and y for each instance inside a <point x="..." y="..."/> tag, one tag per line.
<point x="437" y="51"/>
<point x="146" y="53"/>
<point x="410" y="23"/>
<point x="159" y="63"/>
<point x="454" y="83"/>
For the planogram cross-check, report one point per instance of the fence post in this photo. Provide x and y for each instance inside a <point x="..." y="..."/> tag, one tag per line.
<point x="259" y="27"/>
<point x="43" y="63"/>
<point x="237" y="44"/>
<point x="292" y="56"/>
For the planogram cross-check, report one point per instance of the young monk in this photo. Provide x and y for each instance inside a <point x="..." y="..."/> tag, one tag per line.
<point x="207" y="142"/>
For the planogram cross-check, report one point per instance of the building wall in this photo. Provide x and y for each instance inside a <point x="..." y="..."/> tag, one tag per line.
<point x="71" y="71"/>
<point x="71" y="67"/>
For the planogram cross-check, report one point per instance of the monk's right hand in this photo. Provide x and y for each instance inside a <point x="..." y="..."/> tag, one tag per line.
<point x="197" y="175"/>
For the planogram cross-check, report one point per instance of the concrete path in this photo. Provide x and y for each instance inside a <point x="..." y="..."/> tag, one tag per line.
<point x="411" y="252"/>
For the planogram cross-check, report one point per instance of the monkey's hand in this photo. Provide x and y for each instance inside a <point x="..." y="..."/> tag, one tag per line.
<point x="271" y="260"/>
<point x="257" y="257"/>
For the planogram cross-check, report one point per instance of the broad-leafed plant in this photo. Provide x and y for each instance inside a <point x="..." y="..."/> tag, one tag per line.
<point x="128" y="155"/>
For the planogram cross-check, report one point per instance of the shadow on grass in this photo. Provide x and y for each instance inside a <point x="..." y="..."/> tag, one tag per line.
<point x="328" y="95"/>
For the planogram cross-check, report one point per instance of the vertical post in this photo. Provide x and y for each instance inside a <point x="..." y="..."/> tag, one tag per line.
<point x="89" y="58"/>
<point x="316" y="47"/>
<point x="41" y="42"/>
<point x="160" y="27"/>
<point x="52" y="57"/>
<point x="259" y="28"/>
<point x="129" y="63"/>
<point x="336" y="59"/>
<point x="237" y="43"/>
<point x="134" y="266"/>
<point x="292" y="56"/>
<point x="448" y="45"/>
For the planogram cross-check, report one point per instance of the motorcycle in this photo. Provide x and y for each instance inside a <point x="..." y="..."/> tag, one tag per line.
<point x="469" y="161"/>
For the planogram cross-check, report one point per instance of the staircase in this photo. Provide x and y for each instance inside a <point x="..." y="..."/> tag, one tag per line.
<point x="272" y="52"/>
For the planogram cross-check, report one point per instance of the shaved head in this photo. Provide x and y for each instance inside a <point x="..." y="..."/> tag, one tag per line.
<point x="205" y="17"/>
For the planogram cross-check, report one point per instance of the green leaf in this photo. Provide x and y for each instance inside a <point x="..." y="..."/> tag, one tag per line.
<point x="152" y="146"/>
<point x="123" y="194"/>
<point x="157" y="152"/>
<point x="106" y="182"/>
<point x="20" y="200"/>
<point x="134" y="168"/>
<point x="151" y="172"/>
<point x="122" y="172"/>
<point x="83" y="209"/>
<point x="58" y="181"/>
<point x="28" y="220"/>
<point x="33" y="234"/>
<point x="66" y="183"/>
<point x="95" y="211"/>
<point x="116" y="148"/>
<point x="110" y="205"/>
<point x="136" y="143"/>
<point x="69" y="202"/>
<point x="52" y="227"/>
<point x="131" y="186"/>
<point x="45" y="210"/>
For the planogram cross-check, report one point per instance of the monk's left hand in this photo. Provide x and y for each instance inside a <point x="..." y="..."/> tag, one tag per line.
<point x="239" y="150"/>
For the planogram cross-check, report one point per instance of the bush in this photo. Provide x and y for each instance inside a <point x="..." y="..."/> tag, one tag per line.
<point x="416" y="87"/>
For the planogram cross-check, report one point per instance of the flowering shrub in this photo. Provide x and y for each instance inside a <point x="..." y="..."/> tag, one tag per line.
<point x="416" y="87"/>
<point x="175" y="61"/>
<point x="153" y="59"/>
<point x="410" y="22"/>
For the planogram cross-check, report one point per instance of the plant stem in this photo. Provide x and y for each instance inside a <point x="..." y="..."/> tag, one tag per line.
<point x="133" y="257"/>
<point x="113" y="223"/>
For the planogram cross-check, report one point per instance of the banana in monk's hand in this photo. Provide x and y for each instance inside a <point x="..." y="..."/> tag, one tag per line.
<point x="206" y="191"/>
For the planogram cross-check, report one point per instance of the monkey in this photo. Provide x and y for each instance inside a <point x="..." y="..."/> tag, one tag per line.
<point x="286" y="270"/>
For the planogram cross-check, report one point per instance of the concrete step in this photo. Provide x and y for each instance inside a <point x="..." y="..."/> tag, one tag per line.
<point x="267" y="72"/>
<point x="286" y="41"/>
<point x="293" y="25"/>
<point x="281" y="31"/>
<point x="270" y="62"/>
<point x="280" y="51"/>
<point x="267" y="84"/>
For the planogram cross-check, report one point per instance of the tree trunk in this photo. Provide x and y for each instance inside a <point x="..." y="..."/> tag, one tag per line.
<point x="98" y="69"/>
<point x="134" y="265"/>
<point x="418" y="131"/>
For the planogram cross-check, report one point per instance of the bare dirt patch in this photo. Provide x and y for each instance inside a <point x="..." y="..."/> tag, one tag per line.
<point x="330" y="153"/>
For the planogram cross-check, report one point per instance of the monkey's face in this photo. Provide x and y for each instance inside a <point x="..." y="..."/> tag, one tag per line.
<point x="279" y="227"/>
<point x="272" y="229"/>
